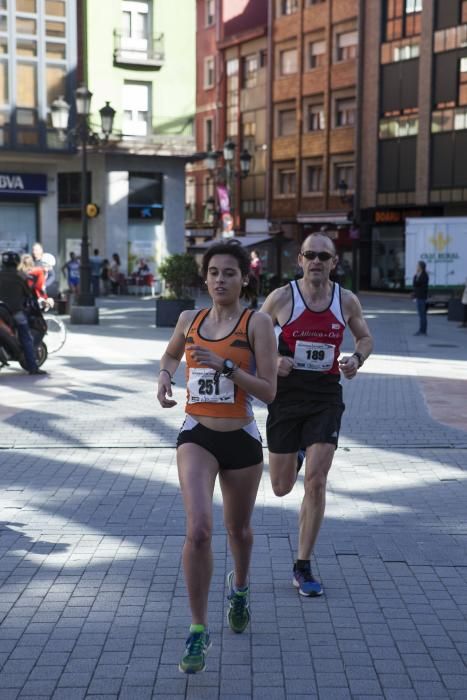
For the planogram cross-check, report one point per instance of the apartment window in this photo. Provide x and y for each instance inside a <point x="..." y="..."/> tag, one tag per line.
<point x="210" y="10"/>
<point x="250" y="70"/>
<point x="287" y="122"/>
<point x="346" y="46"/>
<point x="460" y="120"/>
<point x="249" y="128"/>
<point x="462" y="99"/>
<point x="398" y="127"/>
<point x="314" y="178"/>
<point x="208" y="72"/>
<point x="208" y="134"/>
<point x="135" y="26"/>
<point x="316" y="53"/>
<point x="190" y="199"/>
<point x="315" y="117"/>
<point x="450" y="39"/>
<point x="344" y="172"/>
<point x="288" y="7"/>
<point x="314" y="2"/>
<point x="345" y="112"/>
<point x="401" y="50"/>
<point x="232" y="97"/>
<point x="403" y="18"/>
<point x="287" y="181"/>
<point x="69" y="189"/>
<point x="442" y="120"/>
<point x="136" y="114"/>
<point x="253" y="206"/>
<point x="413" y="6"/>
<point x="288" y="61"/>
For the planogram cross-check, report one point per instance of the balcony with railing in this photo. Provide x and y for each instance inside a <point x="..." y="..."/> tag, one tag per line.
<point x="138" y="51"/>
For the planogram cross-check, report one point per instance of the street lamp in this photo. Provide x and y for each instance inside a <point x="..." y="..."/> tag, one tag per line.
<point x="354" y="231"/>
<point x="228" y="174"/>
<point x="82" y="135"/>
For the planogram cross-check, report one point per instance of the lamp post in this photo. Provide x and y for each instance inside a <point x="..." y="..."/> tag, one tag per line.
<point x="228" y="154"/>
<point x="354" y="232"/>
<point x="85" y="310"/>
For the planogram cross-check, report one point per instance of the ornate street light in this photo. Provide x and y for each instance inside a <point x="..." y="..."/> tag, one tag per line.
<point x="229" y="150"/>
<point x="82" y="135"/>
<point x="343" y="187"/>
<point x="83" y="98"/>
<point x="107" y="119"/>
<point x="60" y="112"/>
<point x="210" y="160"/>
<point x="245" y="163"/>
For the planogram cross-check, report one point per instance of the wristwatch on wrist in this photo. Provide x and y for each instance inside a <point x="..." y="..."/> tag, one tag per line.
<point x="360" y="358"/>
<point x="228" y="368"/>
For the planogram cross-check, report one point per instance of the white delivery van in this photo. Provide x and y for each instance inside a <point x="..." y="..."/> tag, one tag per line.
<point x="442" y="243"/>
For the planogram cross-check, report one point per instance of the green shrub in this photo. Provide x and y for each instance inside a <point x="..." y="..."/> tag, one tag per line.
<point x="180" y="272"/>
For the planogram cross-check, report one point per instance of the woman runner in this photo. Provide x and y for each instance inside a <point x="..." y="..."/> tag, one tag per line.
<point x="230" y="356"/>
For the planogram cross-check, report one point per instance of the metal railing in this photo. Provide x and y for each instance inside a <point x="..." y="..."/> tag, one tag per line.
<point x="146" y="52"/>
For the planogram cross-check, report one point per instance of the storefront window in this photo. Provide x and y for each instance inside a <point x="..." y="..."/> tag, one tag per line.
<point x="387" y="257"/>
<point x="18" y="226"/>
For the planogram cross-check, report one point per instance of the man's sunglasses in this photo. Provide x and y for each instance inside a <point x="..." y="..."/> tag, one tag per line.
<point x="311" y="255"/>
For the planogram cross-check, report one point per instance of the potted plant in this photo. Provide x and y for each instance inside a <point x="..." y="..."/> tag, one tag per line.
<point x="180" y="274"/>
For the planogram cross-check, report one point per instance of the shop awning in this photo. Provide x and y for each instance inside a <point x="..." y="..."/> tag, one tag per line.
<point x="249" y="241"/>
<point x="337" y="218"/>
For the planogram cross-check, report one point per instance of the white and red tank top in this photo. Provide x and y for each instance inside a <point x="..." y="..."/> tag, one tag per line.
<point x="313" y="338"/>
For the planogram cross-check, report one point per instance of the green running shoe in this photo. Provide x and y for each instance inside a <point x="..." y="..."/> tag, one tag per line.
<point x="238" y="614"/>
<point x="194" y="658"/>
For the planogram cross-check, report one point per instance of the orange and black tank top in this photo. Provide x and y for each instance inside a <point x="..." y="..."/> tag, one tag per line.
<point x="219" y="397"/>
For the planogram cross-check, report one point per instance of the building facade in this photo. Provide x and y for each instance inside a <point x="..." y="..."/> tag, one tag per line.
<point x="414" y="117"/>
<point x="38" y="63"/>
<point x="313" y="151"/>
<point x="231" y="105"/>
<point x="139" y="56"/>
<point x="285" y="89"/>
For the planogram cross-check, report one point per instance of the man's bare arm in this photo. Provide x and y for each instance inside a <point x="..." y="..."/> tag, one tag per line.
<point x="361" y="333"/>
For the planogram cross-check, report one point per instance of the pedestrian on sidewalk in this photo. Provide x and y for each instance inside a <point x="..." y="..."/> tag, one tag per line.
<point x="420" y="294"/>
<point x="311" y="315"/>
<point x="114" y="273"/>
<point x="230" y="358"/>
<point x="96" y="262"/>
<point x="464" y="307"/>
<point x="71" y="270"/>
<point x="256" y="267"/>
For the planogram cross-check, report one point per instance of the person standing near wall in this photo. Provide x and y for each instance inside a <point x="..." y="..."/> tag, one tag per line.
<point x="420" y="294"/>
<point x="464" y="307"/>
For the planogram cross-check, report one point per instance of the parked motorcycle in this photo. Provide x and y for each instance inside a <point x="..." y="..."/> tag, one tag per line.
<point x="10" y="348"/>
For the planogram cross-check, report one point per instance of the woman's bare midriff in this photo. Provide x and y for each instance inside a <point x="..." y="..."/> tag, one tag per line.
<point x="223" y="425"/>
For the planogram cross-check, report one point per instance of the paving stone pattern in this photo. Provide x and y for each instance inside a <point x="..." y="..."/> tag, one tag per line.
<point x="92" y="597"/>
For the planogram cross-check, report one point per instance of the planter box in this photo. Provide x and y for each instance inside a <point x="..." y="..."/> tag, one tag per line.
<point x="455" y="310"/>
<point x="169" y="310"/>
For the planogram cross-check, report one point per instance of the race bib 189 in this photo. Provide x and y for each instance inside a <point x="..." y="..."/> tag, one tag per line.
<point x="315" y="357"/>
<point x="203" y="387"/>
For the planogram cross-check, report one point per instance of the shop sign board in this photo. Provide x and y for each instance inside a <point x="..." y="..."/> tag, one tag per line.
<point x="442" y="244"/>
<point x="23" y="184"/>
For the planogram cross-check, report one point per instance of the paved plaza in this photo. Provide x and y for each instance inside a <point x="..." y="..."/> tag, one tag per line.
<point x="92" y="596"/>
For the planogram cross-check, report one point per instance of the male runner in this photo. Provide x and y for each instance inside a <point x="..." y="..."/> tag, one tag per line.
<point x="310" y="315"/>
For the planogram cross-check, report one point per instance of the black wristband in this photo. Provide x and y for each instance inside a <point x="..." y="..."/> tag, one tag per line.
<point x="360" y="358"/>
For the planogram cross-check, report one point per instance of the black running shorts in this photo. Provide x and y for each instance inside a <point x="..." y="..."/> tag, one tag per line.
<point x="234" y="449"/>
<point x="291" y="426"/>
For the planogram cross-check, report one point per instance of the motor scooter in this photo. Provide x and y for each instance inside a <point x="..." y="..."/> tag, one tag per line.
<point x="11" y="349"/>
